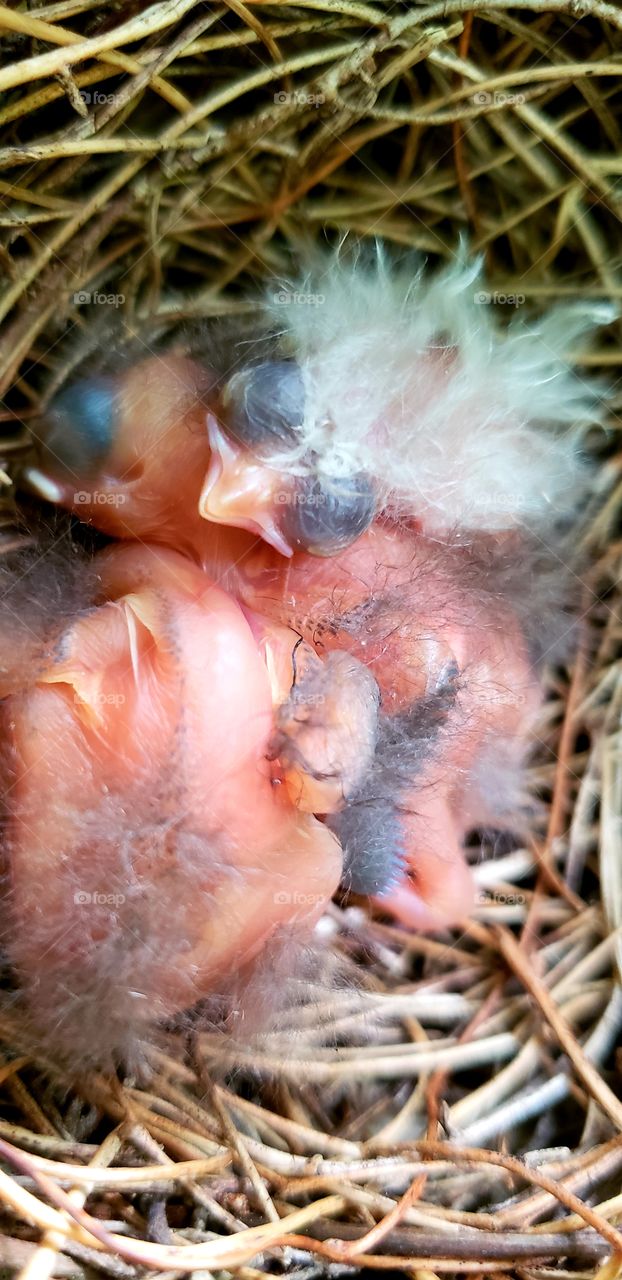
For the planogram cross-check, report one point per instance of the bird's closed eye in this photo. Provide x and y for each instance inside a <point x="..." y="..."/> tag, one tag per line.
<point x="263" y="406"/>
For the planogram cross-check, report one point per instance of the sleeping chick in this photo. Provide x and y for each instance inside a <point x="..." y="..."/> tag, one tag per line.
<point x="396" y="392"/>
<point x="339" y="577"/>
<point x="458" y="677"/>
<point x="156" y="837"/>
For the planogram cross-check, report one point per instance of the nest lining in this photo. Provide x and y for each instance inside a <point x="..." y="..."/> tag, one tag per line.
<point x="459" y="1111"/>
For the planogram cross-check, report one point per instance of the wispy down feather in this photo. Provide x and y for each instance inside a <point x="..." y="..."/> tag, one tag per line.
<point x="410" y="377"/>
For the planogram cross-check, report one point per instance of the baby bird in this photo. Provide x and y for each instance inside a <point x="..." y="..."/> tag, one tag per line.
<point x="395" y="394"/>
<point x="156" y="838"/>
<point x="310" y="658"/>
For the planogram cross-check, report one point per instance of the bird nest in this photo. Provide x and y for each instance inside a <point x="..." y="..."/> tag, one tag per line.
<point x="455" y="1111"/>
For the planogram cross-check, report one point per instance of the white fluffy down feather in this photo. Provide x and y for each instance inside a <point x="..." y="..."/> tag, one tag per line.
<point x="410" y="377"/>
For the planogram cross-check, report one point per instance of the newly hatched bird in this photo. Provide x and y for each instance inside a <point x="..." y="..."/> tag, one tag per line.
<point x="368" y="390"/>
<point x="155" y="839"/>
<point x="312" y="656"/>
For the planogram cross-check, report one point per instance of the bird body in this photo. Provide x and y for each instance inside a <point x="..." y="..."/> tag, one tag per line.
<point x="311" y="655"/>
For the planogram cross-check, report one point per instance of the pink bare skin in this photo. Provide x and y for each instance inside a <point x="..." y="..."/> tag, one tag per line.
<point x="154" y="482"/>
<point x="149" y="485"/>
<point x="403" y="605"/>
<point x="144" y="814"/>
<point x="405" y="611"/>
